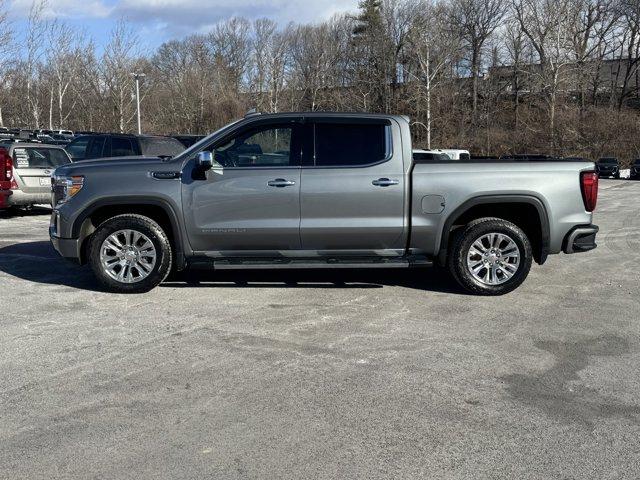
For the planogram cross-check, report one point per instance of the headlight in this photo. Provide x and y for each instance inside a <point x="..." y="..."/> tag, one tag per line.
<point x="64" y="188"/>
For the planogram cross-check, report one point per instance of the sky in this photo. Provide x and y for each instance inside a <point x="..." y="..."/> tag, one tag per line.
<point x="160" y="20"/>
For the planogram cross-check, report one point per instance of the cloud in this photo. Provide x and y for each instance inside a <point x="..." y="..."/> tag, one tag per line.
<point x="196" y="16"/>
<point x="64" y="9"/>
<point x="157" y="21"/>
<point x="190" y="14"/>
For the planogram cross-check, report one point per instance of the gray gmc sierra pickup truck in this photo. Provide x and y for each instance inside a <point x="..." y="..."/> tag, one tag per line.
<point x="305" y="190"/>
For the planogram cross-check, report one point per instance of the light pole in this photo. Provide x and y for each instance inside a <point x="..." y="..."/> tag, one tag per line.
<point x="138" y="76"/>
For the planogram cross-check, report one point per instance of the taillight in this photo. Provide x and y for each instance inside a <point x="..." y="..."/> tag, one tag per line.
<point x="6" y="170"/>
<point x="589" y="185"/>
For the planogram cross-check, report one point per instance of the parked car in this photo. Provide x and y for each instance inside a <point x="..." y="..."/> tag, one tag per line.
<point x="89" y="147"/>
<point x="53" y="139"/>
<point x="315" y="190"/>
<point x="429" y="156"/>
<point x="25" y="171"/>
<point x="456" y="154"/>
<point x="608" y="167"/>
<point x="67" y="133"/>
<point x="634" y="173"/>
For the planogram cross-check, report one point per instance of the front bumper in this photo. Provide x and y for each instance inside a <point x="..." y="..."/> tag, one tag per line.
<point x="68" y="248"/>
<point x="581" y="239"/>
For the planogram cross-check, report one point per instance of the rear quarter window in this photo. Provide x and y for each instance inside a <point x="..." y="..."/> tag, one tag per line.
<point x="156" y="146"/>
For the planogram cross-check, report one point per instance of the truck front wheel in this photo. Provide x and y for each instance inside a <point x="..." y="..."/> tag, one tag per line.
<point x="490" y="256"/>
<point x="130" y="254"/>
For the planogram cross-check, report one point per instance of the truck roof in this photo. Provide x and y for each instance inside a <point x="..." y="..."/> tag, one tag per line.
<point x="329" y="114"/>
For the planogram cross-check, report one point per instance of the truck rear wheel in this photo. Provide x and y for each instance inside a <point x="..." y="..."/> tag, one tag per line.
<point x="490" y="256"/>
<point x="130" y="254"/>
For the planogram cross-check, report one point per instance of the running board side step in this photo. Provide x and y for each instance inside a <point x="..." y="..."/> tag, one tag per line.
<point x="307" y="263"/>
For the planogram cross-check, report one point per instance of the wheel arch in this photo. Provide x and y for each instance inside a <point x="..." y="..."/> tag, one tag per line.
<point x="526" y="211"/>
<point x="156" y="209"/>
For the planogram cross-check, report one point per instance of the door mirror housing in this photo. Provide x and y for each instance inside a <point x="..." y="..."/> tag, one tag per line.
<point x="205" y="160"/>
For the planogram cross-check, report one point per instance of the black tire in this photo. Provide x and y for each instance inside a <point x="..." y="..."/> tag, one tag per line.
<point x="617" y="176"/>
<point x="153" y="232"/>
<point x="462" y="243"/>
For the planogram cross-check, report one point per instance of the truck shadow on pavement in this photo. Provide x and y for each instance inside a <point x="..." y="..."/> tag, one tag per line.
<point x="38" y="262"/>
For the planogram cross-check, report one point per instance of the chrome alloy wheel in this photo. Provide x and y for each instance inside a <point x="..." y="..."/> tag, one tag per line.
<point x="493" y="259"/>
<point x="127" y="256"/>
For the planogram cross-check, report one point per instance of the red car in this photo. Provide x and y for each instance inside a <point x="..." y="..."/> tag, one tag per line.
<point x="5" y="183"/>
<point x="4" y="194"/>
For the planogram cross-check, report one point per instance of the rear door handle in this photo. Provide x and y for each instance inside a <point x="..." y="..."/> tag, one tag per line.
<point x="281" y="183"/>
<point x="385" y="182"/>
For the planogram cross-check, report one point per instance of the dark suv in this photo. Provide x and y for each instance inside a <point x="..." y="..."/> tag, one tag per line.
<point x="634" y="173"/>
<point x="608" y="167"/>
<point x="121" y="145"/>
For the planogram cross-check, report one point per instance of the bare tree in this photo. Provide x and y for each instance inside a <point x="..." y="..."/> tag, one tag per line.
<point x="545" y="23"/>
<point x="591" y="24"/>
<point x="65" y="51"/>
<point x="118" y="63"/>
<point x="629" y="48"/>
<point x="477" y="20"/>
<point x="270" y="49"/>
<point x="36" y="32"/>
<point x="6" y="37"/>
<point x="434" y="46"/>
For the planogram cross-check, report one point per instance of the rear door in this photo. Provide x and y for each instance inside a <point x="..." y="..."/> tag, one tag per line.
<point x="33" y="167"/>
<point x="353" y="194"/>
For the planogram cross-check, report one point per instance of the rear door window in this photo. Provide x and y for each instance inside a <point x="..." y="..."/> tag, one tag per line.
<point x="351" y="144"/>
<point x="39" y="157"/>
<point x="78" y="148"/>
<point x="122" y="147"/>
<point x="96" y="148"/>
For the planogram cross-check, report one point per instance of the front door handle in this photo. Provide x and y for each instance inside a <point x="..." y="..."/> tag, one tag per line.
<point x="281" y="183"/>
<point x="385" y="182"/>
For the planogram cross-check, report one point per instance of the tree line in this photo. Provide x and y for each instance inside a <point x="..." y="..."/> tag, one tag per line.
<point x="493" y="76"/>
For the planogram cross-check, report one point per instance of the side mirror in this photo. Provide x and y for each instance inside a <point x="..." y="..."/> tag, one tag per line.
<point x="205" y="160"/>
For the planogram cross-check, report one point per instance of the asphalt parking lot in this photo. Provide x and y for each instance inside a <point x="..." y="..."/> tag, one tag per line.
<point x="364" y="374"/>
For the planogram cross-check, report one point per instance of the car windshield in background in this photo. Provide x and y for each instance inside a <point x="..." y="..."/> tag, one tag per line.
<point x="34" y="157"/>
<point x="160" y="146"/>
<point x="637" y="162"/>
<point x="608" y="161"/>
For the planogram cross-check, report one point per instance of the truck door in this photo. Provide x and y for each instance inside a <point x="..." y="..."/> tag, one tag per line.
<point x="353" y="192"/>
<point x="249" y="201"/>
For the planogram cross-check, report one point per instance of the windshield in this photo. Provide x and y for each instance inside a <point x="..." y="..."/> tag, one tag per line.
<point x="37" y="157"/>
<point x="608" y="161"/>
<point x="196" y="147"/>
